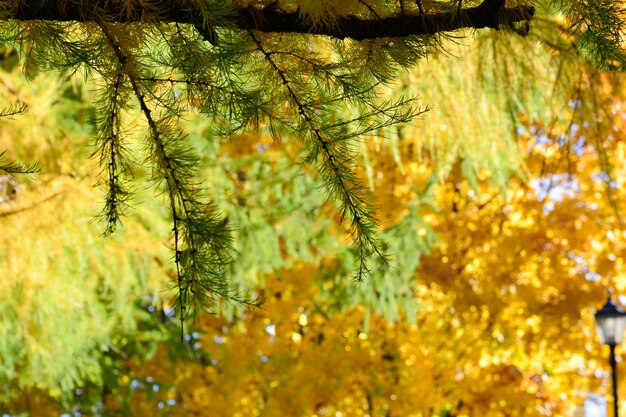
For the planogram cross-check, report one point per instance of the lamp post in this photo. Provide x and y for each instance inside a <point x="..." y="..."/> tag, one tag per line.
<point x="611" y="322"/>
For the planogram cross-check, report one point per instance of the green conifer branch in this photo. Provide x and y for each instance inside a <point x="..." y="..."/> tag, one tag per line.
<point x="597" y="26"/>
<point x="113" y="156"/>
<point x="13" y="167"/>
<point x="336" y="158"/>
<point x="202" y="240"/>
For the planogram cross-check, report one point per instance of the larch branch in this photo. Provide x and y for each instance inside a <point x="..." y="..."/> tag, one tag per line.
<point x="491" y="13"/>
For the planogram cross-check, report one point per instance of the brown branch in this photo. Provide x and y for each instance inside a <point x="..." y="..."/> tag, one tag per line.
<point x="11" y="212"/>
<point x="491" y="13"/>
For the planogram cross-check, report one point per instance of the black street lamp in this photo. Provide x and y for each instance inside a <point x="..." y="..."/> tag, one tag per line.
<point x="611" y="322"/>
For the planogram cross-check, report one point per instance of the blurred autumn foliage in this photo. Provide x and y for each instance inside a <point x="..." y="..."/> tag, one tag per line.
<point x="504" y="223"/>
<point x="505" y="297"/>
